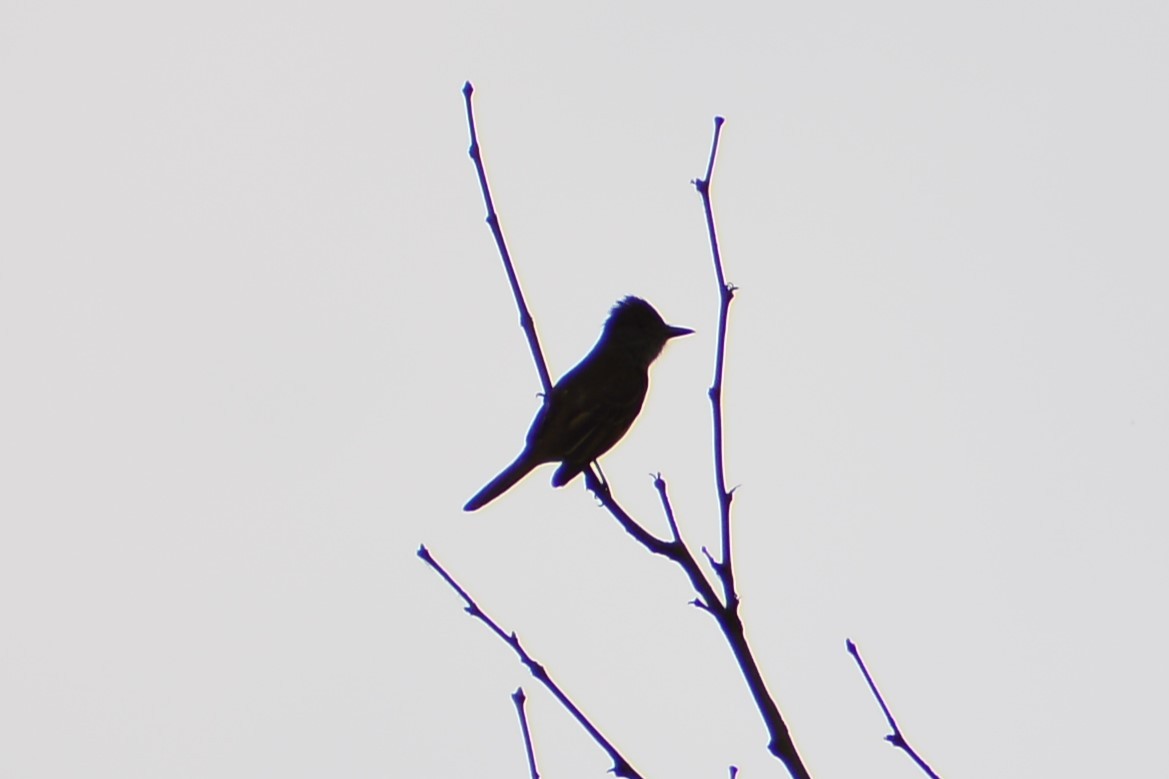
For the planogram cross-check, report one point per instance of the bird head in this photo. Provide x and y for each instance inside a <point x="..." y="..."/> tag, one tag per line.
<point x="635" y="325"/>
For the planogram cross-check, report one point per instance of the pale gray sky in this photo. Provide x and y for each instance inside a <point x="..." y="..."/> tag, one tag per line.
<point x="257" y="347"/>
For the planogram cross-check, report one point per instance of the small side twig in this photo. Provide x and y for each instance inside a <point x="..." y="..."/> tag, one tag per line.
<point x="660" y="486"/>
<point x="673" y="550"/>
<point x="895" y="738"/>
<point x="600" y="488"/>
<point x="518" y="699"/>
<point x="526" y="322"/>
<point x="621" y="766"/>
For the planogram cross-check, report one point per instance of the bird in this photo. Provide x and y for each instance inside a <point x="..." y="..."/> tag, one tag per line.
<point x="593" y="405"/>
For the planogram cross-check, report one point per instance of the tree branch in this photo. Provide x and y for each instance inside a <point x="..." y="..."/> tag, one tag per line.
<point x="724" y="566"/>
<point x="526" y="322"/>
<point x="660" y="486"/>
<point x="725" y="609"/>
<point x="621" y="766"/>
<point x="895" y="738"/>
<point x="781" y="744"/>
<point x="518" y="699"/>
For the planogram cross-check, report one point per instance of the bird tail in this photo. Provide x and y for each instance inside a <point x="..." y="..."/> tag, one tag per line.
<point x="502" y="483"/>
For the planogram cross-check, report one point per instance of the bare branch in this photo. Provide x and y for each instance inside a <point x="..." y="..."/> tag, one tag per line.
<point x="600" y="488"/>
<point x="621" y="766"/>
<point x="660" y="486"/>
<point x="518" y="698"/>
<point x="781" y="744"/>
<point x="895" y="738"/>
<point x="673" y="550"/>
<point x="526" y="322"/>
<point x="723" y="567"/>
<point x="725" y="609"/>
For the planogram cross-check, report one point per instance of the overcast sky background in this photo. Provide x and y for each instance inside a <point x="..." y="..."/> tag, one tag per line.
<point x="257" y="346"/>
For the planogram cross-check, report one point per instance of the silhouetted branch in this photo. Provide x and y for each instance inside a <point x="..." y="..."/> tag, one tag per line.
<point x="728" y="621"/>
<point x="599" y="487"/>
<point x="895" y="738"/>
<point x="526" y="322"/>
<point x="660" y="486"/>
<point x="781" y="744"/>
<point x="519" y="699"/>
<point x="673" y="550"/>
<point x="725" y="609"/>
<point x="723" y="567"/>
<point x="621" y="766"/>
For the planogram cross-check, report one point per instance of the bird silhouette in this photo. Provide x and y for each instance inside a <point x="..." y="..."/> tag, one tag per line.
<point x="593" y="405"/>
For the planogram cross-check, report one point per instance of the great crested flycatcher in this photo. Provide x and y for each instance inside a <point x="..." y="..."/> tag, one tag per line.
<point x="593" y="405"/>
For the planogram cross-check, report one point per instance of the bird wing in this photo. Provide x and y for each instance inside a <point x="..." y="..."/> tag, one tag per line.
<point x="589" y="410"/>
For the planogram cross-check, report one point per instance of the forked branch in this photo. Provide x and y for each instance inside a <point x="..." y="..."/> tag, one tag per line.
<point x="725" y="608"/>
<point x="895" y="738"/>
<point x="621" y="766"/>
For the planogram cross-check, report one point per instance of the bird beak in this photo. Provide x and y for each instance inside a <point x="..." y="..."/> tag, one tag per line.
<point x="674" y="332"/>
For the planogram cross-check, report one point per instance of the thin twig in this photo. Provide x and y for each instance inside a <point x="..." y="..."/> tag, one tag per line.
<point x="895" y="738"/>
<point x="621" y="766"/>
<point x="526" y="322"/>
<point x="781" y="744"/>
<point x="600" y="488"/>
<point x="518" y="698"/>
<point x="672" y="550"/>
<point x="660" y="486"/>
<point x="726" y="292"/>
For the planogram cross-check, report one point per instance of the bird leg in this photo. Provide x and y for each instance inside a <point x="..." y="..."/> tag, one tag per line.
<point x="601" y="475"/>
